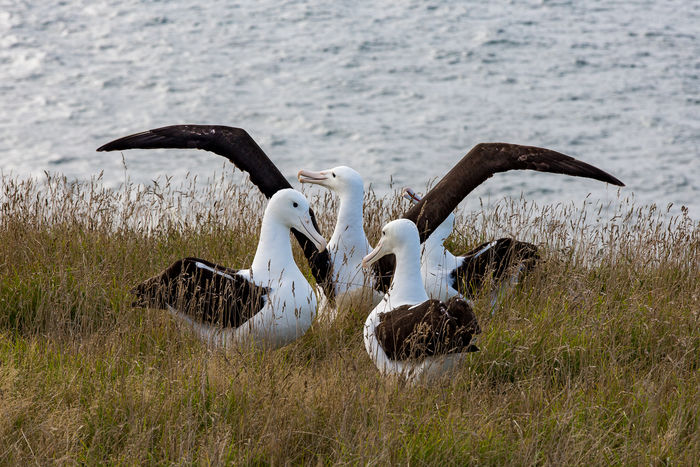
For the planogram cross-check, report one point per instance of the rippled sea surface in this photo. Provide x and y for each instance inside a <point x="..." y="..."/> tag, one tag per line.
<point x="400" y="91"/>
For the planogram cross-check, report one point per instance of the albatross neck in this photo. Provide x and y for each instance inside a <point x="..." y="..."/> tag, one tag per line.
<point x="349" y="226"/>
<point x="434" y="251"/>
<point x="407" y="284"/>
<point x="274" y="253"/>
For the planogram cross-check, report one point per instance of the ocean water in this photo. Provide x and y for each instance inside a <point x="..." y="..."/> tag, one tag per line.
<point x="398" y="90"/>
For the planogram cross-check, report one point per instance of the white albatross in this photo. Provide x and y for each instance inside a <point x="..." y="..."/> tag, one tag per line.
<point x="348" y="243"/>
<point x="269" y="305"/>
<point x="408" y="334"/>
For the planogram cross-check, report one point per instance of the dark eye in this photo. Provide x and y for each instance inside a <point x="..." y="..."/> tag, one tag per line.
<point x="383" y="233"/>
<point x="333" y="173"/>
<point x="295" y="204"/>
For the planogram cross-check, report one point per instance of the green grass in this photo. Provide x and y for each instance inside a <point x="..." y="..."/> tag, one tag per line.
<point x="594" y="359"/>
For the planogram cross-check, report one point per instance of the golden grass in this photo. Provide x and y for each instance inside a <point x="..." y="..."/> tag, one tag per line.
<point x="594" y="359"/>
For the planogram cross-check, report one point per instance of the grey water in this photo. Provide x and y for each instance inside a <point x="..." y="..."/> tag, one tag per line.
<point x="398" y="90"/>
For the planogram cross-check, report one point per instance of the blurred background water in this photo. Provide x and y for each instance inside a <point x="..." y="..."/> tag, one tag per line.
<point x="398" y="90"/>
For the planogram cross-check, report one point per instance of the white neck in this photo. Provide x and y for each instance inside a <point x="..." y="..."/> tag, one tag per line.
<point x="349" y="226"/>
<point x="407" y="283"/>
<point x="274" y="253"/>
<point x="434" y="251"/>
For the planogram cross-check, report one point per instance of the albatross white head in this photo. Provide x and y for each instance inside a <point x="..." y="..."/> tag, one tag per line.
<point x="290" y="208"/>
<point x="400" y="237"/>
<point x="342" y="179"/>
<point x="348" y="237"/>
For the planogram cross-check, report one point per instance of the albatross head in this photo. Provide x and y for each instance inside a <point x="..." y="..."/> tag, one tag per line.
<point x="291" y="209"/>
<point x="396" y="236"/>
<point x="442" y="231"/>
<point x="340" y="179"/>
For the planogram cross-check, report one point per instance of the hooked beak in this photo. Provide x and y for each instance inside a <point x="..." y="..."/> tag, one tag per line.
<point x="374" y="255"/>
<point x="309" y="176"/>
<point x="307" y="228"/>
<point x="410" y="195"/>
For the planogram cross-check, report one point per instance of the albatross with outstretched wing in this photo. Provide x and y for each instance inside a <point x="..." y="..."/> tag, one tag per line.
<point x="446" y="275"/>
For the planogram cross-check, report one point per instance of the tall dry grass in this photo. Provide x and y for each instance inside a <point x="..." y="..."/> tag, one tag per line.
<point x="595" y="357"/>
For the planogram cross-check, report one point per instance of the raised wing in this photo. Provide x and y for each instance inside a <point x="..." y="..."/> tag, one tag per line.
<point x="484" y="160"/>
<point x="240" y="148"/>
<point x="235" y="144"/>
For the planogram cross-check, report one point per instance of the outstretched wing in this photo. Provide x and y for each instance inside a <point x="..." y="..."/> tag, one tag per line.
<point x="240" y="148"/>
<point x="204" y="291"/>
<point x="484" y="160"/>
<point x="235" y="144"/>
<point x="429" y="328"/>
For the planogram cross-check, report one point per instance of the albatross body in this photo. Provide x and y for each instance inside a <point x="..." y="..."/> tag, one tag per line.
<point x="268" y="305"/>
<point x="348" y="243"/>
<point x="446" y="275"/>
<point x="407" y="333"/>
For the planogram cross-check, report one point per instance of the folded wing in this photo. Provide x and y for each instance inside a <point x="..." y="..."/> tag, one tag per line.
<point x="204" y="291"/>
<point x="427" y="329"/>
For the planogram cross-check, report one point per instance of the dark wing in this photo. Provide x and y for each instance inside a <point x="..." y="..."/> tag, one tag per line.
<point x="235" y="144"/>
<point x="240" y="148"/>
<point x="484" y="160"/>
<point x="203" y="290"/>
<point x="430" y="328"/>
<point x="500" y="258"/>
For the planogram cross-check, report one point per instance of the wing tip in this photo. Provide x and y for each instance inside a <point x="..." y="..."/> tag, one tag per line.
<point x="612" y="180"/>
<point x="119" y="144"/>
<point x="112" y="146"/>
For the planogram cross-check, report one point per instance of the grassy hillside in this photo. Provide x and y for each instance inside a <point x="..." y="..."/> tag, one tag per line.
<point x="594" y="359"/>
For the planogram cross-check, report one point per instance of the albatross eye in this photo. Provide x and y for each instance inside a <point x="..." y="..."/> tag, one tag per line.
<point x="295" y="204"/>
<point x="333" y="173"/>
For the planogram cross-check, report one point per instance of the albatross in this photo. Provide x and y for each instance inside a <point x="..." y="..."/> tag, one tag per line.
<point x="348" y="243"/>
<point x="409" y="334"/>
<point x="268" y="305"/>
<point x="240" y="148"/>
<point x="446" y="275"/>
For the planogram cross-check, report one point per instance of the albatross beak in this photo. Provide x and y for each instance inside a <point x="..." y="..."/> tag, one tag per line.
<point x="373" y="255"/>
<point x="410" y="195"/>
<point x="307" y="228"/>
<point x="309" y="176"/>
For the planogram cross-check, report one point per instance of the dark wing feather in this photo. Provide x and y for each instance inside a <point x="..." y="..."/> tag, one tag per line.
<point x="235" y="144"/>
<point x="497" y="259"/>
<point x="224" y="299"/>
<point x="430" y="328"/>
<point x="240" y="148"/>
<point x="484" y="160"/>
